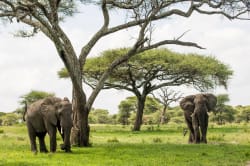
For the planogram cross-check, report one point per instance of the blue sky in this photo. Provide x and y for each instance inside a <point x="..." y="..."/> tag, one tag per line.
<point x="32" y="64"/>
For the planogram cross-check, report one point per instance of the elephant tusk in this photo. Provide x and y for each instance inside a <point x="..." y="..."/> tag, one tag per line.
<point x="61" y="130"/>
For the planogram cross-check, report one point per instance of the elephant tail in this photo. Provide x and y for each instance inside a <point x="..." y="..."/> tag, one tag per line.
<point x="25" y="110"/>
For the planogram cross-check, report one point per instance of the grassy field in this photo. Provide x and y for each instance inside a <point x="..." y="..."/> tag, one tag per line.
<point x="117" y="145"/>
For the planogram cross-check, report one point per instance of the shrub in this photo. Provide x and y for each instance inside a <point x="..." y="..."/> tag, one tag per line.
<point x="20" y="138"/>
<point x="113" y="140"/>
<point x="157" y="140"/>
<point x="219" y="137"/>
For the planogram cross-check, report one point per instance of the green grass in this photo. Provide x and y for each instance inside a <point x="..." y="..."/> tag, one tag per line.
<point x="117" y="145"/>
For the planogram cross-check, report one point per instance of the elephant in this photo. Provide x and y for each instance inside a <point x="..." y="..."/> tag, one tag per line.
<point x="196" y="108"/>
<point x="46" y="116"/>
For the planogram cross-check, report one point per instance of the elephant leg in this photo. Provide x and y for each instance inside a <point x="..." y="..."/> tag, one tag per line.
<point x="41" y="137"/>
<point x="191" y="138"/>
<point x="203" y="126"/>
<point x="32" y="137"/>
<point x="195" y="123"/>
<point x="52" y="135"/>
<point x="188" y="120"/>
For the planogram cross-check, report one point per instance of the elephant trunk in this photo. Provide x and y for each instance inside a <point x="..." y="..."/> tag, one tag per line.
<point x="66" y="139"/>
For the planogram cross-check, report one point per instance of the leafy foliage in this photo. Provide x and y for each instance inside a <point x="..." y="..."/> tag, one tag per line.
<point x="9" y="119"/>
<point x="243" y="114"/>
<point x="34" y="95"/>
<point x="100" y="116"/>
<point x="158" y="66"/>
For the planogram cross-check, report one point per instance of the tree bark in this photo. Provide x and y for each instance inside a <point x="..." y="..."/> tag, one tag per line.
<point x="80" y="130"/>
<point x="140" y="107"/>
<point x="163" y="114"/>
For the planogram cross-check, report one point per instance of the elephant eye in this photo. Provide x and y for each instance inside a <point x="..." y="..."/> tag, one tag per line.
<point x="58" y="106"/>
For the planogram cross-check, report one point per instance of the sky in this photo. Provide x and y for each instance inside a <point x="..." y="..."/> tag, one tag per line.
<point x="32" y="63"/>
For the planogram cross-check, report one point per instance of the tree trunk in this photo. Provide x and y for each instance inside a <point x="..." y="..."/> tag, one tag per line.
<point x="80" y="130"/>
<point x="140" y="107"/>
<point x="163" y="114"/>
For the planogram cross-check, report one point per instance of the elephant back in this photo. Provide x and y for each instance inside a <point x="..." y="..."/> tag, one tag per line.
<point x="51" y="100"/>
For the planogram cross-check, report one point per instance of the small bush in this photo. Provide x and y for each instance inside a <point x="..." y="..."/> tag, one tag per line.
<point x="219" y="137"/>
<point x="113" y="140"/>
<point x="143" y="141"/>
<point x="5" y="136"/>
<point x="20" y="138"/>
<point x="1" y="131"/>
<point x="203" y="154"/>
<point x="150" y="128"/>
<point x="157" y="140"/>
<point x="246" y="130"/>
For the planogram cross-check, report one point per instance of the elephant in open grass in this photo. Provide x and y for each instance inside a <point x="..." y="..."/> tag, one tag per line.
<point x="196" y="108"/>
<point x="46" y="116"/>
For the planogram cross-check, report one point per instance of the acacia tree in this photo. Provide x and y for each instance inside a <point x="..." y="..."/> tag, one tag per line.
<point x="45" y="15"/>
<point x="166" y="96"/>
<point x="151" y="70"/>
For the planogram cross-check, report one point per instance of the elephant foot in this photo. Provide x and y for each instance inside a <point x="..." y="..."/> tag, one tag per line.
<point x="204" y="142"/>
<point x="44" y="151"/>
<point x="62" y="146"/>
<point x="67" y="149"/>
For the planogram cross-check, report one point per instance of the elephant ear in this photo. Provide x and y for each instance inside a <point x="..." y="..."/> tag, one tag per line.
<point x="211" y="101"/>
<point x="49" y="113"/>
<point x="187" y="103"/>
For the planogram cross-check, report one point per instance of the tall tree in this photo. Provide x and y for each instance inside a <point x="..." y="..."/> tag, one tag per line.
<point x="152" y="70"/>
<point x="45" y="16"/>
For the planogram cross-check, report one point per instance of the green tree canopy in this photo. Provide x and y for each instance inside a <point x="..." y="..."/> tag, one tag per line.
<point x="244" y="114"/>
<point x="159" y="67"/>
<point x="34" y="95"/>
<point x="100" y="116"/>
<point x="9" y="119"/>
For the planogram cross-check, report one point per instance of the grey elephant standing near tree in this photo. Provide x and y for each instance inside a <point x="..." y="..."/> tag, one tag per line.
<point x="46" y="116"/>
<point x="196" y="108"/>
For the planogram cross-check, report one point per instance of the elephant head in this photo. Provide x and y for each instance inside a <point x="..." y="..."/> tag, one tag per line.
<point x="187" y="103"/>
<point x="211" y="101"/>
<point x="57" y="113"/>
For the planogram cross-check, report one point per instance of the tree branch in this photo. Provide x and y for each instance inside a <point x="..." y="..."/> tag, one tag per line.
<point x="125" y="5"/>
<point x="87" y="48"/>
